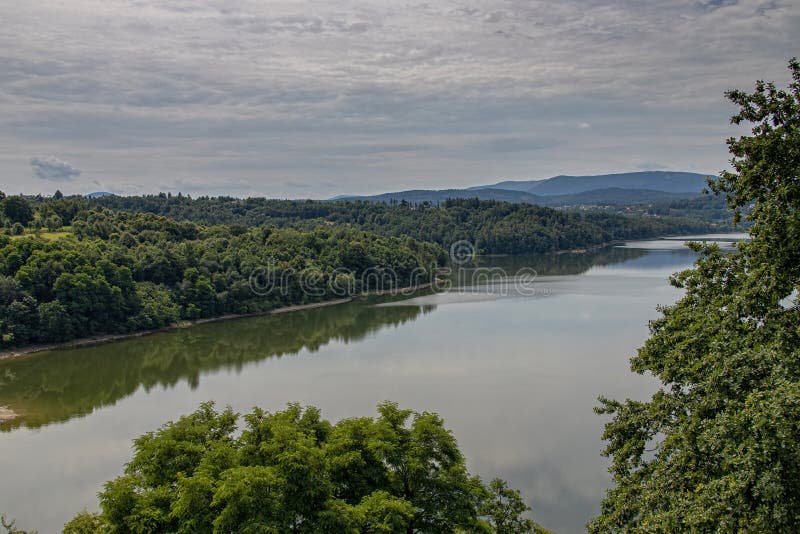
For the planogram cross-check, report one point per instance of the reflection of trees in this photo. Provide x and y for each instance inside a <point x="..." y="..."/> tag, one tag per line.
<point x="49" y="387"/>
<point x="561" y="264"/>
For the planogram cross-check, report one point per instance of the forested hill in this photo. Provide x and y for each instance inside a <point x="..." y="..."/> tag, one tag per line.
<point x="622" y="189"/>
<point x="494" y="227"/>
<point x="74" y="267"/>
<point x="119" y="272"/>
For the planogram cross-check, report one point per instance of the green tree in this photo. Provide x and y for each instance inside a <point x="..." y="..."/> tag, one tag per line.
<point x="86" y="523"/>
<point x="156" y="307"/>
<point x="288" y="472"/>
<point x="9" y="525"/>
<point x="18" y="210"/>
<point x="717" y="447"/>
<point x="54" y="223"/>
<point x="197" y="295"/>
<point x="505" y="510"/>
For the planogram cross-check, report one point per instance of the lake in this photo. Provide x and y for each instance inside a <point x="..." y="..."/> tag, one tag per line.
<point x="515" y="376"/>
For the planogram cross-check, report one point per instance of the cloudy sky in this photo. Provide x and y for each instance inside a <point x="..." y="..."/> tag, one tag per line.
<point x="317" y="98"/>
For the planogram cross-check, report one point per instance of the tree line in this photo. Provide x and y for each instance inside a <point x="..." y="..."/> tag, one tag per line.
<point x="124" y="272"/>
<point x="494" y="227"/>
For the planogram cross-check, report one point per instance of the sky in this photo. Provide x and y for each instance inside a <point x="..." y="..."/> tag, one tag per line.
<point x="311" y="99"/>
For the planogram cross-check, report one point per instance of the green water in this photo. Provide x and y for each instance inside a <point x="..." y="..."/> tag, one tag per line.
<point x="514" y="376"/>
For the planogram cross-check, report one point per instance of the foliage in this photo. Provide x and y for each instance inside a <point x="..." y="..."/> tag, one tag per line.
<point x="494" y="227"/>
<point x="17" y="210"/>
<point x="9" y="525"/>
<point x="504" y="510"/>
<point x="124" y="272"/>
<point x="717" y="447"/>
<point x="86" y="523"/>
<point x="292" y="471"/>
<point x="54" y="223"/>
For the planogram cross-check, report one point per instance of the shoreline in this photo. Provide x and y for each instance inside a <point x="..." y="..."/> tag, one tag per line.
<point x="109" y="338"/>
<point x="7" y="414"/>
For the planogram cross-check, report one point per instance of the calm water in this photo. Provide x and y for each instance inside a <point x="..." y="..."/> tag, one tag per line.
<point x="515" y="377"/>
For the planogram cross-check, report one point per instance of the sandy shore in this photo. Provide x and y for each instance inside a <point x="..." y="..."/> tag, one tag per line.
<point x="97" y="340"/>
<point x="6" y="414"/>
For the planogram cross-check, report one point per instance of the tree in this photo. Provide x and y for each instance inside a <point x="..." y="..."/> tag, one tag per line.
<point x="292" y="471"/>
<point x="54" y="223"/>
<point x="10" y="526"/>
<point x="18" y="210"/>
<point x="86" y="523"/>
<point x="156" y="307"/>
<point x="198" y="297"/>
<point x="58" y="195"/>
<point x="505" y="510"/>
<point x="55" y="323"/>
<point x="717" y="447"/>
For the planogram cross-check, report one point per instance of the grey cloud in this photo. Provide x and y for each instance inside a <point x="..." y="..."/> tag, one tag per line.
<point x="261" y="95"/>
<point x="711" y="5"/>
<point x="296" y="24"/>
<point x="517" y="144"/>
<point x="650" y="166"/>
<point x="54" y="169"/>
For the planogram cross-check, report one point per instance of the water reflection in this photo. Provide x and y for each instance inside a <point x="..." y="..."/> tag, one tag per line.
<point x="514" y="378"/>
<point x="56" y="386"/>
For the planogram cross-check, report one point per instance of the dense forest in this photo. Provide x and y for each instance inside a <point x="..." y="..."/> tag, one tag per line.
<point x="124" y="272"/>
<point x="710" y="208"/>
<point x="75" y="267"/>
<point x="494" y="227"/>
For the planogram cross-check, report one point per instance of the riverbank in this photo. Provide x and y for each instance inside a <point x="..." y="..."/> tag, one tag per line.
<point x="109" y="338"/>
<point x="6" y="414"/>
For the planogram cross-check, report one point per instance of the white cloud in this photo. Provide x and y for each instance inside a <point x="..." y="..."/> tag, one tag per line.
<point x="584" y="125"/>
<point x="54" y="169"/>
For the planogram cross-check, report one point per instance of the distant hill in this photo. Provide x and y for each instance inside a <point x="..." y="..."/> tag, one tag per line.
<point x="604" y="189"/>
<point x="666" y="181"/>
<point x="609" y="196"/>
<point x="417" y="196"/>
<point x="613" y="196"/>
<point x="98" y="194"/>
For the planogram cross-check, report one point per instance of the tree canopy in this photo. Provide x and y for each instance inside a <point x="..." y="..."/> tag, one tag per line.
<point x="292" y="471"/>
<point x="123" y="272"/>
<point x="717" y="447"/>
<point x="493" y="227"/>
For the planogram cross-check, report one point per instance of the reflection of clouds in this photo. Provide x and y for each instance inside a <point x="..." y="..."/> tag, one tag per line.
<point x="515" y="379"/>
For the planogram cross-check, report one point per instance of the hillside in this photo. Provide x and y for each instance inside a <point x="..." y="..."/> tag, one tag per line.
<point x="418" y="196"/>
<point x="667" y="181"/>
<point x="605" y="189"/>
<point x="611" y="196"/>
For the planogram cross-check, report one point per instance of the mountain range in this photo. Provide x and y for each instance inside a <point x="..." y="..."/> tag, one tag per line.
<point x="603" y="189"/>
